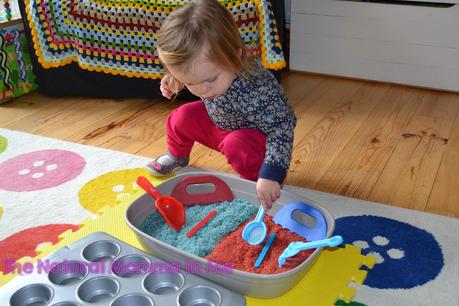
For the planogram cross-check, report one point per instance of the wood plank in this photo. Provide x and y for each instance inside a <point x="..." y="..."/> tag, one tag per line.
<point x="319" y="140"/>
<point x="139" y="125"/>
<point x="444" y="198"/>
<point x="410" y="172"/>
<point x="154" y="147"/>
<point x="357" y="167"/>
<point x="327" y="92"/>
<point x="348" y="137"/>
<point x="48" y="119"/>
<point x="297" y="85"/>
<point x="118" y="121"/>
<point x="84" y="116"/>
<point x="310" y="113"/>
<point x="28" y="105"/>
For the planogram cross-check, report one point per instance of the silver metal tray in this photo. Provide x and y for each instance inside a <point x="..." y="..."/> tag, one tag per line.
<point x="102" y="270"/>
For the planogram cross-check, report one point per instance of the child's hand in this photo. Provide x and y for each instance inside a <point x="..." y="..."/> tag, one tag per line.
<point x="267" y="191"/>
<point x="169" y="86"/>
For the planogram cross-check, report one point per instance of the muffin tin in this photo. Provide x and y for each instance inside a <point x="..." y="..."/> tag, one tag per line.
<point x="247" y="283"/>
<point x="102" y="270"/>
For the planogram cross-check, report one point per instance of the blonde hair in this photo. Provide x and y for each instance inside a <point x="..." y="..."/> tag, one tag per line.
<point x="200" y="26"/>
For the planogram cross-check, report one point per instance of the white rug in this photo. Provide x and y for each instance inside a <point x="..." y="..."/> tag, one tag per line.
<point x="416" y="252"/>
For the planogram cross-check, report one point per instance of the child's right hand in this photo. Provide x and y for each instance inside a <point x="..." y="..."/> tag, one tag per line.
<point x="268" y="191"/>
<point x="169" y="86"/>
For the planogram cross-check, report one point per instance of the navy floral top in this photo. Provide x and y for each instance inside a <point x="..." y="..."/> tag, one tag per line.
<point x="258" y="101"/>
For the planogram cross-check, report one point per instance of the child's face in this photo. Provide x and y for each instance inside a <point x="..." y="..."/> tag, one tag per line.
<point x="204" y="78"/>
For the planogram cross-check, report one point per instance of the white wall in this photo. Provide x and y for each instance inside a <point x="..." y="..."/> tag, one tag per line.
<point x="405" y="44"/>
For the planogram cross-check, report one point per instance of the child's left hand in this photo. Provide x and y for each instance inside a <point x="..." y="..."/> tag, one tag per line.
<point x="268" y="191"/>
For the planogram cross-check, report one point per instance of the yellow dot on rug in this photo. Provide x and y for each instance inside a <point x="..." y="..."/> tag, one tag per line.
<point x="1" y="213"/>
<point x="106" y="189"/>
<point x="3" y="143"/>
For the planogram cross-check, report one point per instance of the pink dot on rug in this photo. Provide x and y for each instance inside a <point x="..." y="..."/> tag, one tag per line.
<point x="40" y="170"/>
<point x="23" y="243"/>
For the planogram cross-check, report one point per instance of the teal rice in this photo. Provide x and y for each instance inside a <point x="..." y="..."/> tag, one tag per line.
<point x="229" y="216"/>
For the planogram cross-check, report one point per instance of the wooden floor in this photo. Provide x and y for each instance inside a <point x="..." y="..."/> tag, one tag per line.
<point x="380" y="142"/>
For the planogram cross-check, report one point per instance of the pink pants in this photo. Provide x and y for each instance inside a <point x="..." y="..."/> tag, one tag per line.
<point x="244" y="149"/>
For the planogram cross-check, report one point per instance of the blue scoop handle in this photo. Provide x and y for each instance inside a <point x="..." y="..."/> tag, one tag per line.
<point x="260" y="215"/>
<point x="295" y="247"/>
<point x="332" y="242"/>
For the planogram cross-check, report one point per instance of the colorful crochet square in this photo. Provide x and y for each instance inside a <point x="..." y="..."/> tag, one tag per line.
<point x="119" y="36"/>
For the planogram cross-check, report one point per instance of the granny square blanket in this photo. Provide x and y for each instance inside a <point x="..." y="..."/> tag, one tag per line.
<point x="119" y="36"/>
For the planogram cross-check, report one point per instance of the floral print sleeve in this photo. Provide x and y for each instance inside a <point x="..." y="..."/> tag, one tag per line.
<point x="276" y="119"/>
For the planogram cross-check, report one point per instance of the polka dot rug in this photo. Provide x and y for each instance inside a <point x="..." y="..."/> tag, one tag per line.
<point x="49" y="186"/>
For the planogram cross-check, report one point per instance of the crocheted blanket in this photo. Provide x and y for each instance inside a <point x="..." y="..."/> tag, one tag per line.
<point x="118" y="36"/>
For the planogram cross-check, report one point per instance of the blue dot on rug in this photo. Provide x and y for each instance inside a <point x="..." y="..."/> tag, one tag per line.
<point x="406" y="256"/>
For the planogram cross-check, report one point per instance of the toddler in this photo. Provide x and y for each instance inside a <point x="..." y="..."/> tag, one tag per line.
<point x="244" y="113"/>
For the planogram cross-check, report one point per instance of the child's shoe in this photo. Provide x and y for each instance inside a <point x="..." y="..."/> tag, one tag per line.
<point x="166" y="164"/>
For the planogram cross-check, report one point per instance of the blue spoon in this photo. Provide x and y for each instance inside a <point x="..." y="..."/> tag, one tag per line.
<point x="295" y="247"/>
<point x="255" y="232"/>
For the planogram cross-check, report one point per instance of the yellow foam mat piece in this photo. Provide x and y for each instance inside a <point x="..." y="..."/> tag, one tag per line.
<point x="325" y="283"/>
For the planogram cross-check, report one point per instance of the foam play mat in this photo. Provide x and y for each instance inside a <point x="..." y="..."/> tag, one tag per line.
<point x="334" y="270"/>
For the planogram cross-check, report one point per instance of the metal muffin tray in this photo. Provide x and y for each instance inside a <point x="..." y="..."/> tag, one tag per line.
<point x="102" y="270"/>
<point x="247" y="283"/>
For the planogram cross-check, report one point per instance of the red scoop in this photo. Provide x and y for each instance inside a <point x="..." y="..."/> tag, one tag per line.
<point x="171" y="209"/>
